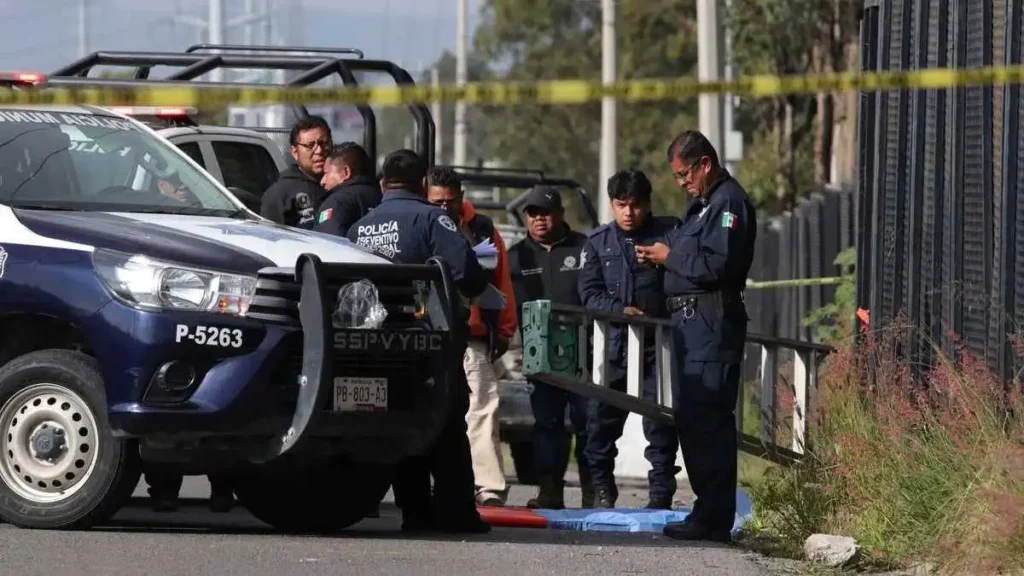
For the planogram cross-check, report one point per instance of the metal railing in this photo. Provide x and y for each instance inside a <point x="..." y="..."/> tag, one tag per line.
<point x="567" y="347"/>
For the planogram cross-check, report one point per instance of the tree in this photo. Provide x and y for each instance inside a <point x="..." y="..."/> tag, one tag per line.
<point x="778" y="37"/>
<point x="837" y="50"/>
<point x="556" y="39"/>
<point x="783" y="37"/>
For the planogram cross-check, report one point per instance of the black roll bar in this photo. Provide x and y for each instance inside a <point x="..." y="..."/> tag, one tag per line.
<point x="522" y="179"/>
<point x="195" y="65"/>
<point x="266" y="48"/>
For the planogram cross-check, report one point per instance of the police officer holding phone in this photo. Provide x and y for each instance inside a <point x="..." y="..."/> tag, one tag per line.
<point x="613" y="280"/>
<point x="707" y="261"/>
<point x="406" y="229"/>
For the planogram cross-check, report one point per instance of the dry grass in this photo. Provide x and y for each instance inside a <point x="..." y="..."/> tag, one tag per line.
<point x="926" y="466"/>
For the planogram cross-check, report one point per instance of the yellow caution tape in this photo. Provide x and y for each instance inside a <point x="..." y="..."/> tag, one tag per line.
<point x="798" y="282"/>
<point x="510" y="93"/>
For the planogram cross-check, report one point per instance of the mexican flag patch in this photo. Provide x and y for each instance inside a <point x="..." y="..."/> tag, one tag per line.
<point x="325" y="216"/>
<point x="728" y="220"/>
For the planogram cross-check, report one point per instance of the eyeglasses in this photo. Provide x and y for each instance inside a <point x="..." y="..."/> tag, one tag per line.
<point x="324" y="144"/>
<point x="684" y="174"/>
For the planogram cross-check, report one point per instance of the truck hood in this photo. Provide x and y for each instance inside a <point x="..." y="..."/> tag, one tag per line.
<point x="217" y="243"/>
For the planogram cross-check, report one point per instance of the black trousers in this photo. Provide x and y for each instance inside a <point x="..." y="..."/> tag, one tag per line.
<point x="550" y="440"/>
<point x="605" y="427"/>
<point x="449" y="461"/>
<point x="705" y="416"/>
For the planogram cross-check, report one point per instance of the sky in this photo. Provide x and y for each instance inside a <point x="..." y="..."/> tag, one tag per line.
<point x="42" y="35"/>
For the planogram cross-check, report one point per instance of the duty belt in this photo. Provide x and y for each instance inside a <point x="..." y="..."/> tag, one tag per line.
<point x="689" y="303"/>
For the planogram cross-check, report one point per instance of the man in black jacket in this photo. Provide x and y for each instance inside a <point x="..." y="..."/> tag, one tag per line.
<point x="293" y="199"/>
<point x="352" y="190"/>
<point x="545" y="266"/>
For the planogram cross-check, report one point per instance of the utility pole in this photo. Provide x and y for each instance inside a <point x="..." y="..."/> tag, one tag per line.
<point x="213" y="29"/>
<point x="83" y="28"/>
<point x="609" y="120"/>
<point x="711" y="66"/>
<point x="461" y="71"/>
<point x="435" y="111"/>
<point x="247" y="31"/>
<point x="215" y="32"/>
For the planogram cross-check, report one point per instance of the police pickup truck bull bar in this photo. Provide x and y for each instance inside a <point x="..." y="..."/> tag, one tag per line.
<point x="556" y="353"/>
<point x="193" y="65"/>
<point x="315" y="312"/>
<point x="521" y="179"/>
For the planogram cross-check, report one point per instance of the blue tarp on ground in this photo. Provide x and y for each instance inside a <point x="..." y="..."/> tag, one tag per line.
<point x="629" y="520"/>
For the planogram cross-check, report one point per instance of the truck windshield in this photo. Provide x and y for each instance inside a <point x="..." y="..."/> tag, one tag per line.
<point x="52" y="159"/>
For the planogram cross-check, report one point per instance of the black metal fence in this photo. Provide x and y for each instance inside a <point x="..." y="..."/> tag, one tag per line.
<point x="802" y="243"/>
<point x="938" y="178"/>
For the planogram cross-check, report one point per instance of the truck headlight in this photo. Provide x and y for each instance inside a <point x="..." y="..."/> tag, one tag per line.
<point x="144" y="282"/>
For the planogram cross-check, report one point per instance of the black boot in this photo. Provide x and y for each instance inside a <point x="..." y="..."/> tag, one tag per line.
<point x="694" y="531"/>
<point x="587" y="488"/>
<point x="222" y="494"/>
<point x="588" y="497"/>
<point x="164" y="502"/>
<point x="605" y="497"/>
<point x="658" y="501"/>
<point x="550" y="496"/>
<point x="222" y="502"/>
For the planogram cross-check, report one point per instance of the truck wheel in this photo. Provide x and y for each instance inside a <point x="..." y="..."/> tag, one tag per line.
<point x="522" y="460"/>
<point x="318" y="499"/>
<point x="60" y="467"/>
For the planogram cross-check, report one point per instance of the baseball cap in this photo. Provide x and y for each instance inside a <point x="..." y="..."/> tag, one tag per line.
<point x="543" y="197"/>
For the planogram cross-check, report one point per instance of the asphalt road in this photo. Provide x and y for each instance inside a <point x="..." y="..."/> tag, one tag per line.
<point x="194" y="541"/>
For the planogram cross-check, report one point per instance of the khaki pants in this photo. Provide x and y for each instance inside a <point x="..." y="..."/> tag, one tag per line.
<point x="482" y="423"/>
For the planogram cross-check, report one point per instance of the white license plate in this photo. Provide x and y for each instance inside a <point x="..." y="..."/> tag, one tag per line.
<point x="360" y="394"/>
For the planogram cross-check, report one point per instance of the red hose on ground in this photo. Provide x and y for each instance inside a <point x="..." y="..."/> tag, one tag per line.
<point x="508" y="517"/>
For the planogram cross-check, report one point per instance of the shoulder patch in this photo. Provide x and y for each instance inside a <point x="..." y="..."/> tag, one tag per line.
<point x="325" y="215"/>
<point x="728" y="220"/>
<point x="446" y="221"/>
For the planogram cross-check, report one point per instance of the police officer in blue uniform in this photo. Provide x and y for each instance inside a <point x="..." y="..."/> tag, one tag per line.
<point x="406" y="229"/>
<point x="612" y="280"/>
<point x="707" y="261"/>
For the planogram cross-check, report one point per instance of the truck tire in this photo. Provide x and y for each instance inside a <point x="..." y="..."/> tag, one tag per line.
<point x="523" y="462"/>
<point x="323" y="499"/>
<point x="60" y="466"/>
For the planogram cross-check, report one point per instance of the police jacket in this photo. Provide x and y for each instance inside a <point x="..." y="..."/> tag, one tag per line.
<point x="714" y="247"/>
<point x="710" y="256"/>
<point x="406" y="229"/>
<point x="345" y="204"/>
<point x="293" y="199"/>
<point x="611" y="280"/>
<point x="539" y="274"/>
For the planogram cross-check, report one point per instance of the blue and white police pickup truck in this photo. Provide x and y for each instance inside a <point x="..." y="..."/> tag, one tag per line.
<point x="146" y="315"/>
